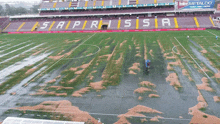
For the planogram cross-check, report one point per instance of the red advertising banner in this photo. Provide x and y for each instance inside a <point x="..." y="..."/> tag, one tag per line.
<point x="106" y="31"/>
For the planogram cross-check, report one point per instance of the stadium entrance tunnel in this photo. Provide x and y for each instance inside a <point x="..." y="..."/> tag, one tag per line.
<point x="104" y="26"/>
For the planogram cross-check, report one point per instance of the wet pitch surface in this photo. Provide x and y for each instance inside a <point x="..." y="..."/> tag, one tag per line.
<point x="37" y="63"/>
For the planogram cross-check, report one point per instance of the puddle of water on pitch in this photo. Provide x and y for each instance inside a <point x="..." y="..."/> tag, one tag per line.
<point x="13" y="46"/>
<point x="203" y="59"/>
<point x="2" y="55"/>
<point x="19" y="65"/>
<point x="21" y="53"/>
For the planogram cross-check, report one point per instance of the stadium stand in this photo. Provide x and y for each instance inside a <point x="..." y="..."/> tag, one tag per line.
<point x="111" y="15"/>
<point x="4" y="22"/>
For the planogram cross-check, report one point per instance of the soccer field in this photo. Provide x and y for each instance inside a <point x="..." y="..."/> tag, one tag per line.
<point x="102" y="76"/>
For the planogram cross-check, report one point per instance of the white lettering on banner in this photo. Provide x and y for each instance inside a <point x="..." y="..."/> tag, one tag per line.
<point x="109" y="24"/>
<point x="60" y="25"/>
<point x="166" y="21"/>
<point x="45" y="24"/>
<point x="128" y="22"/>
<point x="146" y="22"/>
<point x="76" y="23"/>
<point x="94" y="24"/>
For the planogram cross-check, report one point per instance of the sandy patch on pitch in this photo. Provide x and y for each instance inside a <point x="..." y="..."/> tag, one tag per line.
<point x="120" y="58"/>
<point x="138" y="55"/>
<point x="203" y="51"/>
<point x="132" y="72"/>
<point x="51" y="81"/>
<point x="72" y="80"/>
<point x="200" y="98"/>
<point x="136" y="112"/>
<point x="153" y="95"/>
<point x="135" y="66"/>
<point x="203" y="118"/>
<point x="97" y="85"/>
<point x="204" y="85"/>
<point x="61" y="56"/>
<point x="147" y="83"/>
<point x="156" y="118"/>
<point x="31" y="70"/>
<point x="169" y="67"/>
<point x="161" y="47"/>
<point x="151" y="52"/>
<point x="60" y="88"/>
<point x="145" y="51"/>
<point x="216" y="98"/>
<point x="75" y="41"/>
<point x="184" y="72"/>
<point x="121" y="44"/>
<point x="83" y="67"/>
<point x="143" y="120"/>
<point x="174" y="81"/>
<point x="108" y="38"/>
<point x="140" y="98"/>
<point x="52" y="93"/>
<point x="79" y="93"/>
<point x="217" y="75"/>
<point x="143" y="90"/>
<point x="63" y="108"/>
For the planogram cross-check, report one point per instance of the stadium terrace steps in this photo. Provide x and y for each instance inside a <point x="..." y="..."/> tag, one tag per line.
<point x="210" y="18"/>
<point x="196" y="22"/>
<point x="132" y="2"/>
<point x="62" y="4"/>
<point x="81" y="4"/>
<point x="74" y="4"/>
<point x="4" y="22"/>
<point x="47" y="5"/>
<point x="156" y="23"/>
<point x="35" y="26"/>
<point x="27" y="26"/>
<point x="176" y="23"/>
<point x="125" y="22"/>
<point x="137" y="23"/>
<point x="186" y="22"/>
<point x="21" y="26"/>
<point x="204" y="21"/>
<point x="115" y="2"/>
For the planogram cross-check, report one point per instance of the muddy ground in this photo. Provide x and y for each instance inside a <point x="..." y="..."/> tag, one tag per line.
<point x="102" y="77"/>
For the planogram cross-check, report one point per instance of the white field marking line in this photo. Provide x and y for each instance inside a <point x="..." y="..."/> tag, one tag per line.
<point x="5" y="45"/>
<point x="21" y="53"/>
<point x="95" y="114"/>
<point x="173" y="49"/>
<point x="193" y="59"/>
<point x="15" y="50"/>
<point x="86" y="55"/>
<point x="193" y="36"/>
<point x="217" y="45"/>
<point x="13" y="46"/>
<point x="211" y="33"/>
<point x="48" y="68"/>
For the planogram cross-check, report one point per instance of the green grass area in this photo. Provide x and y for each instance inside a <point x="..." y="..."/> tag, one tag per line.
<point x="123" y="49"/>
